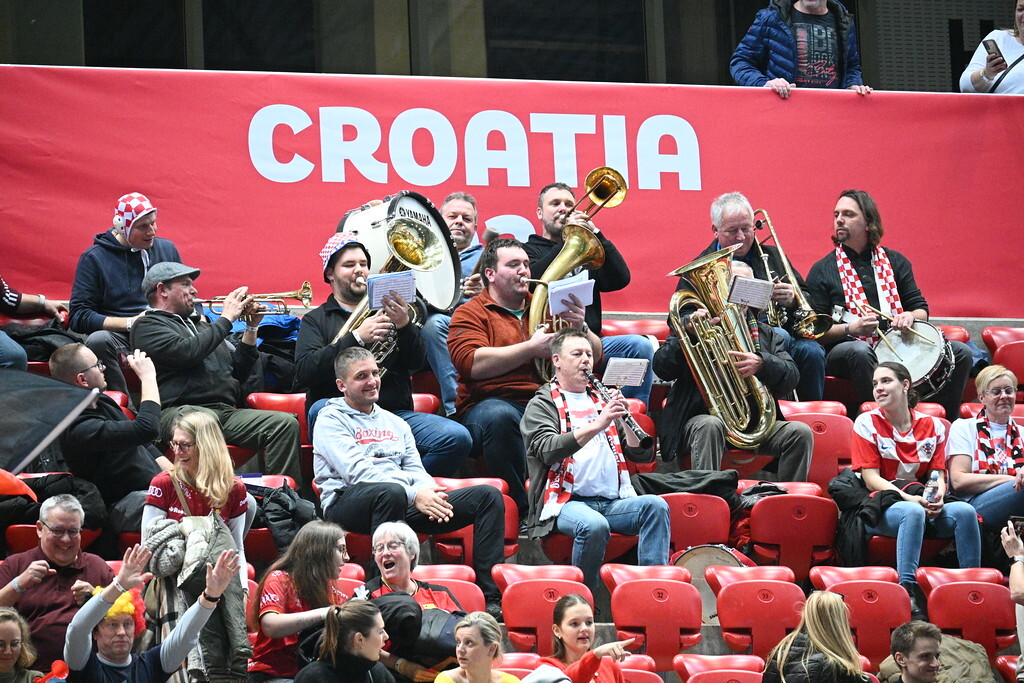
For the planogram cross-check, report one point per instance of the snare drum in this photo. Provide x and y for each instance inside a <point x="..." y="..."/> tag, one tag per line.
<point x="929" y="361"/>
<point x="697" y="558"/>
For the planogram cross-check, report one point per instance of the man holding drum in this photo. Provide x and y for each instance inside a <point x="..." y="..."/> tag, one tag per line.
<point x="874" y="283"/>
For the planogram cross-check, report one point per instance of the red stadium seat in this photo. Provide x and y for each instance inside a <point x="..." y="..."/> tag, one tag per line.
<point x="506" y="574"/>
<point x="652" y="327"/>
<point x="296" y="405"/>
<point x="1011" y="356"/>
<point x="1007" y="667"/>
<point x="882" y="549"/>
<point x="259" y="543"/>
<point x="975" y="610"/>
<point x="719" y="577"/>
<point x="791" y="408"/>
<point x="527" y="661"/>
<point x="663" y="616"/>
<point x="22" y="537"/>
<point x="726" y="676"/>
<point x="466" y="593"/>
<point x="955" y="333"/>
<point x="994" y="337"/>
<point x="425" y="382"/>
<point x="972" y="409"/>
<point x="121" y="399"/>
<point x="527" y="606"/>
<point x="824" y="576"/>
<point x="639" y="676"/>
<point x="115" y="565"/>
<point x="933" y="409"/>
<point x="558" y="547"/>
<point x="931" y="577"/>
<point x="804" y="488"/>
<point x="637" y="406"/>
<point x="876" y="609"/>
<point x="646" y="424"/>
<point x="638" y="663"/>
<point x="756" y="615"/>
<point x="746" y="463"/>
<point x="457" y="546"/>
<point x="351" y="570"/>
<point x="435" y="572"/>
<point x="832" y="439"/>
<point x="697" y="519"/>
<point x="426" y="403"/>
<point x="686" y="666"/>
<point x="349" y="586"/>
<point x="616" y="574"/>
<point x="793" y="530"/>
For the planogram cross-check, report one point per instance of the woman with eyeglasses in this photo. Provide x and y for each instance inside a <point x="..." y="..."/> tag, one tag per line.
<point x="821" y="649"/>
<point x="986" y="452"/>
<point x="16" y="651"/>
<point x="295" y="594"/>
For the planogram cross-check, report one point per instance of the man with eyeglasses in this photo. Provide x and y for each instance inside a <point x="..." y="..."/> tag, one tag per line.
<point x="873" y="284"/>
<point x="49" y="583"/>
<point x="368" y="471"/>
<point x="732" y="222"/>
<point x="103" y="445"/>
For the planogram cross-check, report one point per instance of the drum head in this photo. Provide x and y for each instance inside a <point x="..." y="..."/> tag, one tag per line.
<point x="927" y="355"/>
<point x="697" y="559"/>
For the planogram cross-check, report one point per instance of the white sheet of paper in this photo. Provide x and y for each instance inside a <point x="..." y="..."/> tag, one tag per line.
<point x="625" y="372"/>
<point x="751" y="292"/>
<point x="579" y="284"/>
<point x="382" y="284"/>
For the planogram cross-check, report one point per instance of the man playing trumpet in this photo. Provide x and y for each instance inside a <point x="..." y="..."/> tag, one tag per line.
<point x="198" y="369"/>
<point x="577" y="462"/>
<point x="688" y="429"/>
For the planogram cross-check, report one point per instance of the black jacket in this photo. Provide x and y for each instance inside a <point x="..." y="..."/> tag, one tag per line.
<point x="802" y="667"/>
<point x="346" y="669"/>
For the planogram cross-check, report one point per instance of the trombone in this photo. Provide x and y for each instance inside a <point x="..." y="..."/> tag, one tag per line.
<point x="276" y="303"/>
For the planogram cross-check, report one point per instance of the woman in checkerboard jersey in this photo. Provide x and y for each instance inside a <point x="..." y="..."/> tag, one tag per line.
<point x="986" y="452"/>
<point x="895" y="448"/>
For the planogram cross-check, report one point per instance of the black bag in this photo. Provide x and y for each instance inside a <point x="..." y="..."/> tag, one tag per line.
<point x="282" y="511"/>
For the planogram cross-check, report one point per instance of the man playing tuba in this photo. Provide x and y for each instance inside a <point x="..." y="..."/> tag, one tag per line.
<point x="686" y="428"/>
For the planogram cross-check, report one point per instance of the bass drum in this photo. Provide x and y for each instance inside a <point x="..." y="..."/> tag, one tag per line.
<point x="928" y="358"/>
<point x="439" y="288"/>
<point x="697" y="558"/>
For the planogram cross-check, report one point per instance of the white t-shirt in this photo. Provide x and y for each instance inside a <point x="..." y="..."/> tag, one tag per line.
<point x="963" y="440"/>
<point x="595" y="471"/>
<point x="1011" y="48"/>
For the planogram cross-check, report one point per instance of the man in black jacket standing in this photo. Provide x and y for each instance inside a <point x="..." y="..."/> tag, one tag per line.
<point x="198" y="369"/>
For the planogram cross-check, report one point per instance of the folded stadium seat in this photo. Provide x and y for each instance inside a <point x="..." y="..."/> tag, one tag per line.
<point x="637" y="406"/>
<point x="639" y="676"/>
<point x="115" y="565"/>
<point x="508" y="573"/>
<point x="1007" y="667"/>
<point x="22" y="537"/>
<point x="646" y="424"/>
<point x="746" y="463"/>
<point x="804" y="488"/>
<point x="121" y="399"/>
<point x="793" y="530"/>
<point x="718" y="577"/>
<point x="527" y="606"/>
<point x="296" y="405"/>
<point x="994" y="337"/>
<point x="791" y="408"/>
<point x="613" y="574"/>
<point x="686" y="666"/>
<point x="558" y="547"/>
<point x="426" y="403"/>
<point x="931" y="577"/>
<point x="876" y="609"/>
<point x="832" y="439"/>
<point x="425" y="382"/>
<point x="514" y="671"/>
<point x="349" y="586"/>
<point x="351" y="570"/>
<point x="526" y="661"/>
<point x="697" y="519"/>
<point x="756" y="615"/>
<point x="466" y="593"/>
<point x="882" y="549"/>
<point x="933" y="409"/>
<point x="1011" y="356"/>
<point x="638" y="663"/>
<point x="656" y="328"/>
<point x="972" y="409"/>
<point x="259" y="543"/>
<point x="975" y="610"/>
<point x="823" y="576"/>
<point x="726" y="676"/>
<point x="432" y="572"/>
<point x="662" y="616"/>
<point x="457" y="546"/>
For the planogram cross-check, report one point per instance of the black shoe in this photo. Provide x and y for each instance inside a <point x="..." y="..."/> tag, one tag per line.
<point x="918" y="605"/>
<point x="494" y="609"/>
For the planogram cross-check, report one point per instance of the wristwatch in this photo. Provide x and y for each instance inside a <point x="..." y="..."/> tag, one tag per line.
<point x="1018" y="558"/>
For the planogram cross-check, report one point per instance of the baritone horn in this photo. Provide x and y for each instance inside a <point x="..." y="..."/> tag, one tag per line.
<point x="745" y="405"/>
<point x="605" y="188"/>
<point x="806" y="323"/>
<point x="277" y="302"/>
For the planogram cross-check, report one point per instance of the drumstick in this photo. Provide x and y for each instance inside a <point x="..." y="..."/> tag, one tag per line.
<point x="889" y="344"/>
<point x="889" y="318"/>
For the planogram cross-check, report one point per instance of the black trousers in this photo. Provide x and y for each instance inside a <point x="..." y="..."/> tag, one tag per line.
<point x="364" y="506"/>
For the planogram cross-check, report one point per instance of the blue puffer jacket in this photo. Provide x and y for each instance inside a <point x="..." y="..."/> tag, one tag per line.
<point x="768" y="51"/>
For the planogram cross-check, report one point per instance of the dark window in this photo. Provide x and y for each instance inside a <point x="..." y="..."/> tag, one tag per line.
<point x="259" y="35"/>
<point x="122" y="33"/>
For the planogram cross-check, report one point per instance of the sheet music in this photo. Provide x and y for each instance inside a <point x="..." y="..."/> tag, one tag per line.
<point x="382" y="284"/>
<point x="579" y="284"/>
<point x="751" y="292"/>
<point x="625" y="372"/>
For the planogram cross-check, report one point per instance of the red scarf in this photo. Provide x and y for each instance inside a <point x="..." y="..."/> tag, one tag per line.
<point x="853" y="288"/>
<point x="985" y="457"/>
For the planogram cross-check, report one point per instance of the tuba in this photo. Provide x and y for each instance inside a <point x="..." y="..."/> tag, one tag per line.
<point x="744" y="404"/>
<point x="605" y="187"/>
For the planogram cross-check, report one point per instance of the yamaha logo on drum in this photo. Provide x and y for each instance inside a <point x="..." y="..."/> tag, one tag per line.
<point x="406" y="213"/>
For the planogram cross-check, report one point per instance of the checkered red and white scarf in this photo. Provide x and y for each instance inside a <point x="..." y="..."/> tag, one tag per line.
<point x="986" y="460"/>
<point x="853" y="289"/>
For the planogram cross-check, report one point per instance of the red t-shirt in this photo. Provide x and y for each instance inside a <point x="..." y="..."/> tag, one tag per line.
<point x="277" y="656"/>
<point x="162" y="495"/>
<point x="877" y="445"/>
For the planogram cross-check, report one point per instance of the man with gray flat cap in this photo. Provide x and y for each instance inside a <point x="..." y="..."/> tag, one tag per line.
<point x="198" y="369"/>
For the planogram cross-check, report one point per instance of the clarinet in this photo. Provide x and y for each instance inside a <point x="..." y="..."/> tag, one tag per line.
<point x="645" y="439"/>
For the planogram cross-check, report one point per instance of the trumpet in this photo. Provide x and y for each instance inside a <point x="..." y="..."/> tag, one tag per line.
<point x="275" y="303"/>
<point x="645" y="439"/>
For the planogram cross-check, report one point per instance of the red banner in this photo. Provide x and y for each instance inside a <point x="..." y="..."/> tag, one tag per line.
<point x="251" y="171"/>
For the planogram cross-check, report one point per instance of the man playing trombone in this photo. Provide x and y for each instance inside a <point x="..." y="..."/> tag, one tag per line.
<point x="198" y="369"/>
<point x="577" y="462"/>
<point x="872" y="282"/>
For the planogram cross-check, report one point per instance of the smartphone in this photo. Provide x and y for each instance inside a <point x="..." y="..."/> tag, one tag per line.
<point x="1018" y="523"/>
<point x="992" y="48"/>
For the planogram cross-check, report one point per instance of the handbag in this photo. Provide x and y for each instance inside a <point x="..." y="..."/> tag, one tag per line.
<point x="205" y="538"/>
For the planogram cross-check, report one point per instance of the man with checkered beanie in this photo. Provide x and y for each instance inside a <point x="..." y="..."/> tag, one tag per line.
<point x="106" y="296"/>
<point x="863" y="278"/>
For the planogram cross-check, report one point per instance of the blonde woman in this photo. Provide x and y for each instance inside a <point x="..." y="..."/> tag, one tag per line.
<point x="821" y="649"/>
<point x="478" y="650"/>
<point x="16" y="651"/>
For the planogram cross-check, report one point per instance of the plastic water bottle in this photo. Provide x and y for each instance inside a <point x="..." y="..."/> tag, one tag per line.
<point x="931" y="489"/>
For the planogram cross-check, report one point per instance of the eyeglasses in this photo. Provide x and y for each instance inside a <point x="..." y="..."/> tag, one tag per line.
<point x="14" y="645"/>
<point x="58" y="531"/>
<point x="100" y="365"/>
<point x="390" y="545"/>
<point x="1005" y="391"/>
<point x="182" y="445"/>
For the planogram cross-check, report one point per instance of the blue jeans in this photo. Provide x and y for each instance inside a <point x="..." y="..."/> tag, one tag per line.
<point x="905" y="522"/>
<point x="809" y="357"/>
<point x="435" y="338"/>
<point x="443" y="444"/>
<point x="494" y="425"/>
<point x="591" y="521"/>
<point x="997" y="504"/>
<point x="12" y="354"/>
<point x="632" y="346"/>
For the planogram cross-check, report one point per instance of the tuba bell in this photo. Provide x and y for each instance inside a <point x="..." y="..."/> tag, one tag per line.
<point x="745" y="405"/>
